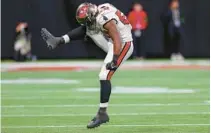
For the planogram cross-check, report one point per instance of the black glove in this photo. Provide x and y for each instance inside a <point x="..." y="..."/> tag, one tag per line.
<point x="51" y="40"/>
<point x="113" y="64"/>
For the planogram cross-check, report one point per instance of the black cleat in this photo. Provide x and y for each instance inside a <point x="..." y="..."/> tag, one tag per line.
<point x="102" y="117"/>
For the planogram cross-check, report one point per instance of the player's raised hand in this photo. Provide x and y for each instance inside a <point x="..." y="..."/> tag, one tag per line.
<point x="52" y="41"/>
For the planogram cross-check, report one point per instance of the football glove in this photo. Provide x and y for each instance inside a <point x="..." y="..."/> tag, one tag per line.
<point x="113" y="64"/>
<point x="52" y="41"/>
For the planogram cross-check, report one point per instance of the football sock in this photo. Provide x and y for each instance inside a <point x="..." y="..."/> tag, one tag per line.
<point x="105" y="92"/>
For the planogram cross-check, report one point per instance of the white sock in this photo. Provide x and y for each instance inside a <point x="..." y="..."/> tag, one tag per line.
<point x="103" y="105"/>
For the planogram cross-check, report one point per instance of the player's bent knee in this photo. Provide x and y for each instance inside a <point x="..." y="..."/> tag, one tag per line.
<point x="102" y="76"/>
<point x="106" y="75"/>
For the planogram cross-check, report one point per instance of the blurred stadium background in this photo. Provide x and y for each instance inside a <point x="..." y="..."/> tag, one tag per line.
<point x="59" y="18"/>
<point x="59" y="92"/>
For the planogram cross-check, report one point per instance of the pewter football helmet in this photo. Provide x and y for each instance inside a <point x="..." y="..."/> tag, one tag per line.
<point x="86" y="12"/>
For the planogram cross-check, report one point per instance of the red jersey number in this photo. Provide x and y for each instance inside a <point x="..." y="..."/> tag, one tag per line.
<point x="122" y="17"/>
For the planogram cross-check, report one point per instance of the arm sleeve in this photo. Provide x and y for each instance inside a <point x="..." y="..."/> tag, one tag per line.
<point x="77" y="33"/>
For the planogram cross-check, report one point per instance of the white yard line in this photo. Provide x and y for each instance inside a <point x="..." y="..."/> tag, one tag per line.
<point x="116" y="89"/>
<point x="96" y="97"/>
<point x="113" y="114"/>
<point x="83" y="126"/>
<point x="51" y="98"/>
<point x="38" y="81"/>
<point x="112" y="105"/>
<point x="37" y="91"/>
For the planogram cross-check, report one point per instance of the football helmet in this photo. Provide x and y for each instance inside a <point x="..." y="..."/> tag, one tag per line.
<point x="86" y="12"/>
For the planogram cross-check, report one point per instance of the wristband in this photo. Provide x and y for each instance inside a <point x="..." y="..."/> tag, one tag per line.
<point x="66" y="38"/>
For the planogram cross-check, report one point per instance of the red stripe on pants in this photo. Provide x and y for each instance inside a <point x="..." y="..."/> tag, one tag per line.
<point x="120" y="59"/>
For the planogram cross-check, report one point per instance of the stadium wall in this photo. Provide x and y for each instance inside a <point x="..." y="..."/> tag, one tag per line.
<point x="58" y="17"/>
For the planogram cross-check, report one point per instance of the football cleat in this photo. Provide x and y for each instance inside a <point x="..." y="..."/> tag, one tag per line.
<point x="102" y="117"/>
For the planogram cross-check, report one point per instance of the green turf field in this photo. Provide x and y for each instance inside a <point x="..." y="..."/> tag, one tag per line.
<point x="160" y="101"/>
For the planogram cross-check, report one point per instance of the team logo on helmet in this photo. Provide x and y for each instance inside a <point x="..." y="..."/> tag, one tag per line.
<point x="86" y="12"/>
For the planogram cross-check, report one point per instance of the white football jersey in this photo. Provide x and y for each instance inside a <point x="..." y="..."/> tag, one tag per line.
<point x="108" y="12"/>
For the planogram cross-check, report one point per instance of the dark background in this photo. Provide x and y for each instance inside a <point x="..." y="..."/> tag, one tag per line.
<point x="58" y="16"/>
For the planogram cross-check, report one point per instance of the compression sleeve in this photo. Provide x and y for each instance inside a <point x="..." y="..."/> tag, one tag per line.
<point x="75" y="34"/>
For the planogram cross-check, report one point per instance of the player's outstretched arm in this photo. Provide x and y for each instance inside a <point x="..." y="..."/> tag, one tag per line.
<point x="53" y="42"/>
<point x="114" y="34"/>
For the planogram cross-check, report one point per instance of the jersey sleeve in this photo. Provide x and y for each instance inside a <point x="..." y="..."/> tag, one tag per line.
<point x="105" y="18"/>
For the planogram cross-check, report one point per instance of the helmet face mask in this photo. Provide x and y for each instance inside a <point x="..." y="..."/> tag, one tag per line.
<point x="92" y="12"/>
<point x="86" y="13"/>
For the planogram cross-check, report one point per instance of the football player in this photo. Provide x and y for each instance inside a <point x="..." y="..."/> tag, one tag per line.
<point x="109" y="28"/>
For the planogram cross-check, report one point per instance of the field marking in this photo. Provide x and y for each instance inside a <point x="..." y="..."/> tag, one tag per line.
<point x="116" y="90"/>
<point x="96" y="97"/>
<point x="112" y="105"/>
<point x="50" y="98"/>
<point x="112" y="114"/>
<point x="32" y="91"/>
<point x="141" y="90"/>
<point x="38" y="81"/>
<point x="84" y="126"/>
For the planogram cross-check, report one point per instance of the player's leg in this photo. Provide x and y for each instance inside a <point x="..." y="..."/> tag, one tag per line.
<point x="106" y="75"/>
<point x="105" y="91"/>
<point x="105" y="83"/>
